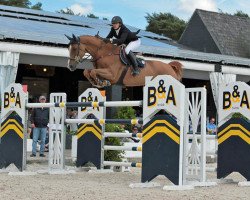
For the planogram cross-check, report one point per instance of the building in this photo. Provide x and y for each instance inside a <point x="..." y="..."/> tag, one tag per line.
<point x="218" y="33"/>
<point x="36" y="42"/>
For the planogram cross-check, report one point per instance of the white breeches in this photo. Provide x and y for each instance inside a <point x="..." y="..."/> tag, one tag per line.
<point x="132" y="45"/>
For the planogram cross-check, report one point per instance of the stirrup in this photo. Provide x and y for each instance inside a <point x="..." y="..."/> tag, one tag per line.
<point x="135" y="72"/>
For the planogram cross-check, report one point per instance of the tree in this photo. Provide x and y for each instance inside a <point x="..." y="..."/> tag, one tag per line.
<point x="241" y="14"/>
<point x="37" y="6"/>
<point x="165" y="24"/>
<point x="91" y="15"/>
<point x="17" y="3"/>
<point x="68" y="11"/>
<point x="21" y="3"/>
<point x="238" y="13"/>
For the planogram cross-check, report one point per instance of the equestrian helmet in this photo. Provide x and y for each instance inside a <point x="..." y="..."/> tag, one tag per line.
<point x="116" y="19"/>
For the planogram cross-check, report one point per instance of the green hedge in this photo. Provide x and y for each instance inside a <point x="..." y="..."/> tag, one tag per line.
<point x="122" y="113"/>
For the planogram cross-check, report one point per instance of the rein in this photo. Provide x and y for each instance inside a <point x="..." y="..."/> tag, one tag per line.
<point x="103" y="56"/>
<point x="78" y="59"/>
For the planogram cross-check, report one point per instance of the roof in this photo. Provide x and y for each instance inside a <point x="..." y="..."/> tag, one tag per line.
<point x="49" y="24"/>
<point x="230" y="33"/>
<point x="47" y="28"/>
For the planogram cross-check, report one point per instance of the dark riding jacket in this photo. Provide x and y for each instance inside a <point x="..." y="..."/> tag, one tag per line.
<point x="125" y="36"/>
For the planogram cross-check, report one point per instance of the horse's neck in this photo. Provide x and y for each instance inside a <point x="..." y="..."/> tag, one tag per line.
<point x="90" y="40"/>
<point x="92" y="44"/>
<point x="99" y="50"/>
<point x="109" y="49"/>
<point x="109" y="54"/>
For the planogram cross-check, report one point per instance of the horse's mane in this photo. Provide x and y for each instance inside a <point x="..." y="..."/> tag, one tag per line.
<point x="88" y="38"/>
<point x="99" y="39"/>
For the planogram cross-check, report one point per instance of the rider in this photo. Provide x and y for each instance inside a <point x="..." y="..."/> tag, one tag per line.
<point x="124" y="36"/>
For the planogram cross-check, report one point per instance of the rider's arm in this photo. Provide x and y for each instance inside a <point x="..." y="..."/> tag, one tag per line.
<point x="121" y="40"/>
<point x="111" y="34"/>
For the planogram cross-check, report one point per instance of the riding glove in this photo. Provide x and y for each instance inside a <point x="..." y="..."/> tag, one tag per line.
<point x="106" y="40"/>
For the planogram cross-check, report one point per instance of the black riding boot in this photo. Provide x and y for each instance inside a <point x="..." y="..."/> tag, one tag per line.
<point x="135" y="67"/>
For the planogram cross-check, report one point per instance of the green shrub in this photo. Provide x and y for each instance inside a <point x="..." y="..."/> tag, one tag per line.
<point x="239" y="115"/>
<point x="126" y="113"/>
<point x="113" y="155"/>
<point x="122" y="113"/>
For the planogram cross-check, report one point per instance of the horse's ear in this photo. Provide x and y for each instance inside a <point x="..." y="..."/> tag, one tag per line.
<point x="70" y="39"/>
<point x="97" y="35"/>
<point x="76" y="39"/>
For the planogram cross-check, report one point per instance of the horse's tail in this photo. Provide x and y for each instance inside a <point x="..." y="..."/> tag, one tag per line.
<point x="177" y="66"/>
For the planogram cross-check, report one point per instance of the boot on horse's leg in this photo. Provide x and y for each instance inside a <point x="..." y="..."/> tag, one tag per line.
<point x="135" y="68"/>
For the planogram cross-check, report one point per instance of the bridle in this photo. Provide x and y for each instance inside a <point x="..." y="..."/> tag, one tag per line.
<point x="77" y="58"/>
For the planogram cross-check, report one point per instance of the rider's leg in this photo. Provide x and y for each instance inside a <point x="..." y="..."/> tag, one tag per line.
<point x="132" y="58"/>
<point x="131" y="46"/>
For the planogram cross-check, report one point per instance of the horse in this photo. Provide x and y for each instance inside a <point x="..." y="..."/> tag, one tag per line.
<point x="108" y="67"/>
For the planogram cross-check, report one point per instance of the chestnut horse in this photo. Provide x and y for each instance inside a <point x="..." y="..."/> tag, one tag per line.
<point x="108" y="68"/>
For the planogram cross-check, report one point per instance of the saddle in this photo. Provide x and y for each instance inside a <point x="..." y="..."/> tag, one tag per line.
<point x="126" y="61"/>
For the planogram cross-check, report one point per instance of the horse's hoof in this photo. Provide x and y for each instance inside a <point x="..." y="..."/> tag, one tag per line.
<point x="99" y="81"/>
<point x="106" y="83"/>
<point x="97" y="85"/>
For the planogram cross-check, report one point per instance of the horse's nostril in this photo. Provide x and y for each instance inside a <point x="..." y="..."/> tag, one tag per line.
<point x="71" y="68"/>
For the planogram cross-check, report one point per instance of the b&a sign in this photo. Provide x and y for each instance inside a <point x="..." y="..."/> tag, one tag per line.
<point x="13" y="99"/>
<point x="91" y="95"/>
<point x="163" y="93"/>
<point x="235" y="97"/>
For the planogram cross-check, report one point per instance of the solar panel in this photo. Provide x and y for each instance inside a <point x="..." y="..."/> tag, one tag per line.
<point x="38" y="31"/>
<point x="39" y="18"/>
<point x="46" y="27"/>
<point x="193" y="55"/>
<point x="29" y="11"/>
<point x="148" y="34"/>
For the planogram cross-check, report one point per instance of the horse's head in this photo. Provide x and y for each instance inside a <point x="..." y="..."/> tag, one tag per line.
<point x="76" y="51"/>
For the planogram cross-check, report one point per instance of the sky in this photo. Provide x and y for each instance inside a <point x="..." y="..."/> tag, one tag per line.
<point x="133" y="12"/>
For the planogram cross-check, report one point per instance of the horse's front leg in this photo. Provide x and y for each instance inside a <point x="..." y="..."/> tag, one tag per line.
<point x="103" y="77"/>
<point x="86" y="73"/>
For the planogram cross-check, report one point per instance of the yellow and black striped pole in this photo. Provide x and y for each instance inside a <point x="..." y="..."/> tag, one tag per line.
<point x="89" y="138"/>
<point x="234" y="148"/>
<point x="11" y="147"/>
<point x="161" y="140"/>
